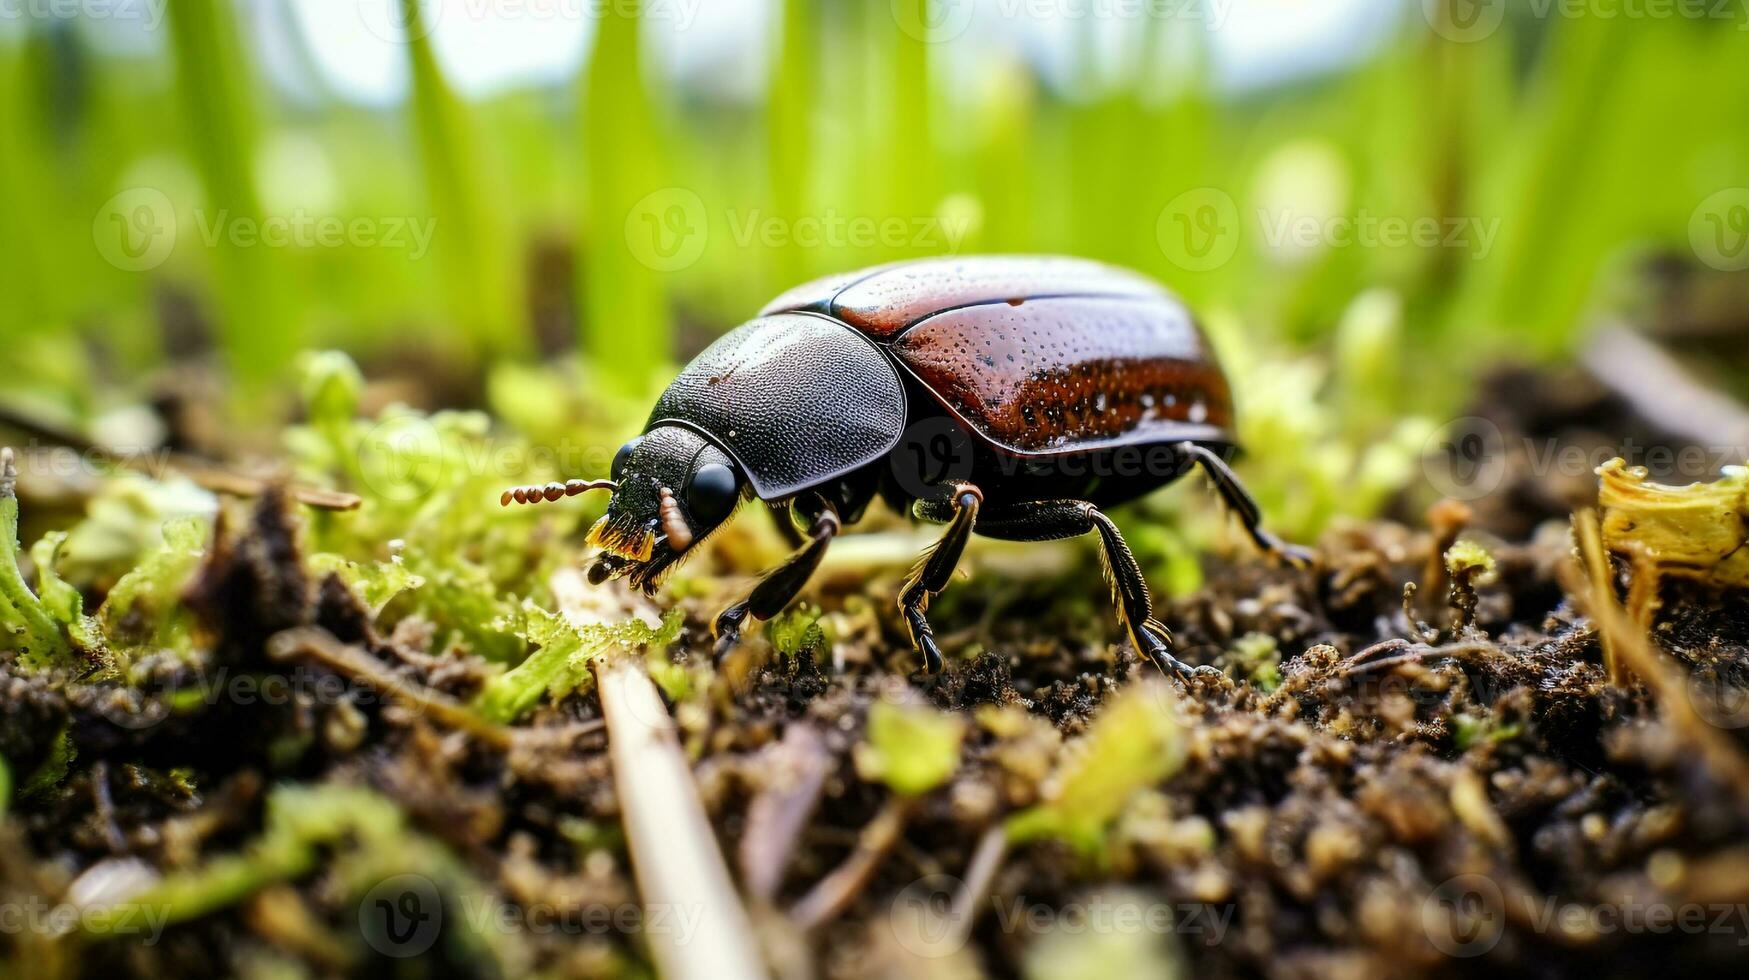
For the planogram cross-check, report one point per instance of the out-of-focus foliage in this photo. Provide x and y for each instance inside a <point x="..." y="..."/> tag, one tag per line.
<point x="1134" y="742"/>
<point x="644" y="208"/>
<point x="913" y="748"/>
<point x="350" y="834"/>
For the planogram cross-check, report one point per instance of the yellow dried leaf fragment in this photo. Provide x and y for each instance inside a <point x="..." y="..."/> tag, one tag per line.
<point x="1698" y="531"/>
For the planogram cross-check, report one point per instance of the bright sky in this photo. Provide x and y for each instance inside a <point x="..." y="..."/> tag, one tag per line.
<point x="720" y="44"/>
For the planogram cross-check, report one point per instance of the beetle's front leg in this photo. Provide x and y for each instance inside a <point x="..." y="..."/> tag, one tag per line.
<point x="935" y="569"/>
<point x="781" y="584"/>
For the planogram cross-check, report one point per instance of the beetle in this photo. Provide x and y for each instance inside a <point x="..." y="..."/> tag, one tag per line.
<point x="1016" y="397"/>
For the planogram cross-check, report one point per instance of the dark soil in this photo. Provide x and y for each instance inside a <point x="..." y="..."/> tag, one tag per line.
<point x="1422" y="793"/>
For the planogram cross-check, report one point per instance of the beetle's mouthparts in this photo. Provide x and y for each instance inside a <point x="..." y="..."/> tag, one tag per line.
<point x="623" y="538"/>
<point x="553" y="491"/>
<point x="674" y="527"/>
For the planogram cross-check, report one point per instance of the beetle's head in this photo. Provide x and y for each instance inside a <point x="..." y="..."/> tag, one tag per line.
<point x="672" y="489"/>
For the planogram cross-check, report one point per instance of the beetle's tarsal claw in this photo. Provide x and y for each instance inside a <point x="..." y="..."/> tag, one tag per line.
<point x="728" y="630"/>
<point x="932" y="659"/>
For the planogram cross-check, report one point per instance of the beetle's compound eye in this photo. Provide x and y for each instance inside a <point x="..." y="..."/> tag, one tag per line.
<point x="711" y="493"/>
<point x="621" y="458"/>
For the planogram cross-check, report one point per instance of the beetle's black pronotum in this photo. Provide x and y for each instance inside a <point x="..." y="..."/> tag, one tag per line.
<point x="1013" y="397"/>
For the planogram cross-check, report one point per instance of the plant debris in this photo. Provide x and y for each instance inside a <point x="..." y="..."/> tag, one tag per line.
<point x="302" y="742"/>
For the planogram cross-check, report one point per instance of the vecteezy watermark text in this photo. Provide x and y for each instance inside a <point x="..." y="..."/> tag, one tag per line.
<point x="38" y="916"/>
<point x="667" y="230"/>
<point x="940" y="21"/>
<point x="1287" y="228"/>
<point x="1466" y="916"/>
<point x="928" y="921"/>
<point x="389" y="20"/>
<point x="1201" y="229"/>
<point x="138" y="230"/>
<point x="1468" y="458"/>
<point x="147" y="13"/>
<point x="1473" y="20"/>
<point x="301" y="229"/>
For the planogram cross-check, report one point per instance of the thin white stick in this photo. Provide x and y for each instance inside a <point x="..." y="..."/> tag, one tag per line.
<point x="696" y="927"/>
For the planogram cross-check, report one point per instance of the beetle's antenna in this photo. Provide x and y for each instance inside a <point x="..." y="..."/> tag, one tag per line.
<point x="553" y="491"/>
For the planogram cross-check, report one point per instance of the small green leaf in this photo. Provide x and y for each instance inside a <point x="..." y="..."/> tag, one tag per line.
<point x="911" y="748"/>
<point x="331" y="386"/>
<point x="62" y="601"/>
<point x="25" y="621"/>
<point x="1133" y="743"/>
<point x="1258" y="656"/>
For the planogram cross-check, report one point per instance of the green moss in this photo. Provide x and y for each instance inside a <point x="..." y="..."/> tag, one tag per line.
<point x="51" y="771"/>
<point x="561" y="658"/>
<point x="796" y="632"/>
<point x="33" y="625"/>
<point x="375" y="583"/>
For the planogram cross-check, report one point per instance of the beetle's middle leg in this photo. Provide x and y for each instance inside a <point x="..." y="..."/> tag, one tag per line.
<point x="935" y="569"/>
<point x="1238" y="499"/>
<point x="1050" y="520"/>
<point x="780" y="585"/>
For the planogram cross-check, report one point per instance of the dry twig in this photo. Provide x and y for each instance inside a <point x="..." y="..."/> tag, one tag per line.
<point x="675" y="858"/>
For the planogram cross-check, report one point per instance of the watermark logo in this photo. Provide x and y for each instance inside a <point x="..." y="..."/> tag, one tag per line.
<point x="401" y="458"/>
<point x="933" y="21"/>
<point x="931" y="454"/>
<point x="923" y="918"/>
<point x="1464" y="21"/>
<point x="401" y="916"/>
<point x="667" y="229"/>
<point x="1720" y="704"/>
<point x="1199" y="229"/>
<point x="1465" y="459"/>
<point x="135" y="231"/>
<point x="1719" y="230"/>
<point x="1465" y="916"/>
<point x="392" y="21"/>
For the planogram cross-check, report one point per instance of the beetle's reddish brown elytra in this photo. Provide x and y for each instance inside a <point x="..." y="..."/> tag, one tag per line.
<point x="1007" y="396"/>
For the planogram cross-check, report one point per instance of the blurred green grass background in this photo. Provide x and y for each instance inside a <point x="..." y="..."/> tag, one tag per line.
<point x="630" y="212"/>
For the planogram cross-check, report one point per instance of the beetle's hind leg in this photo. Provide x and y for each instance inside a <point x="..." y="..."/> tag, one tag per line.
<point x="1238" y="499"/>
<point x="780" y="585"/>
<point x="1049" y="520"/>
<point x="935" y="569"/>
